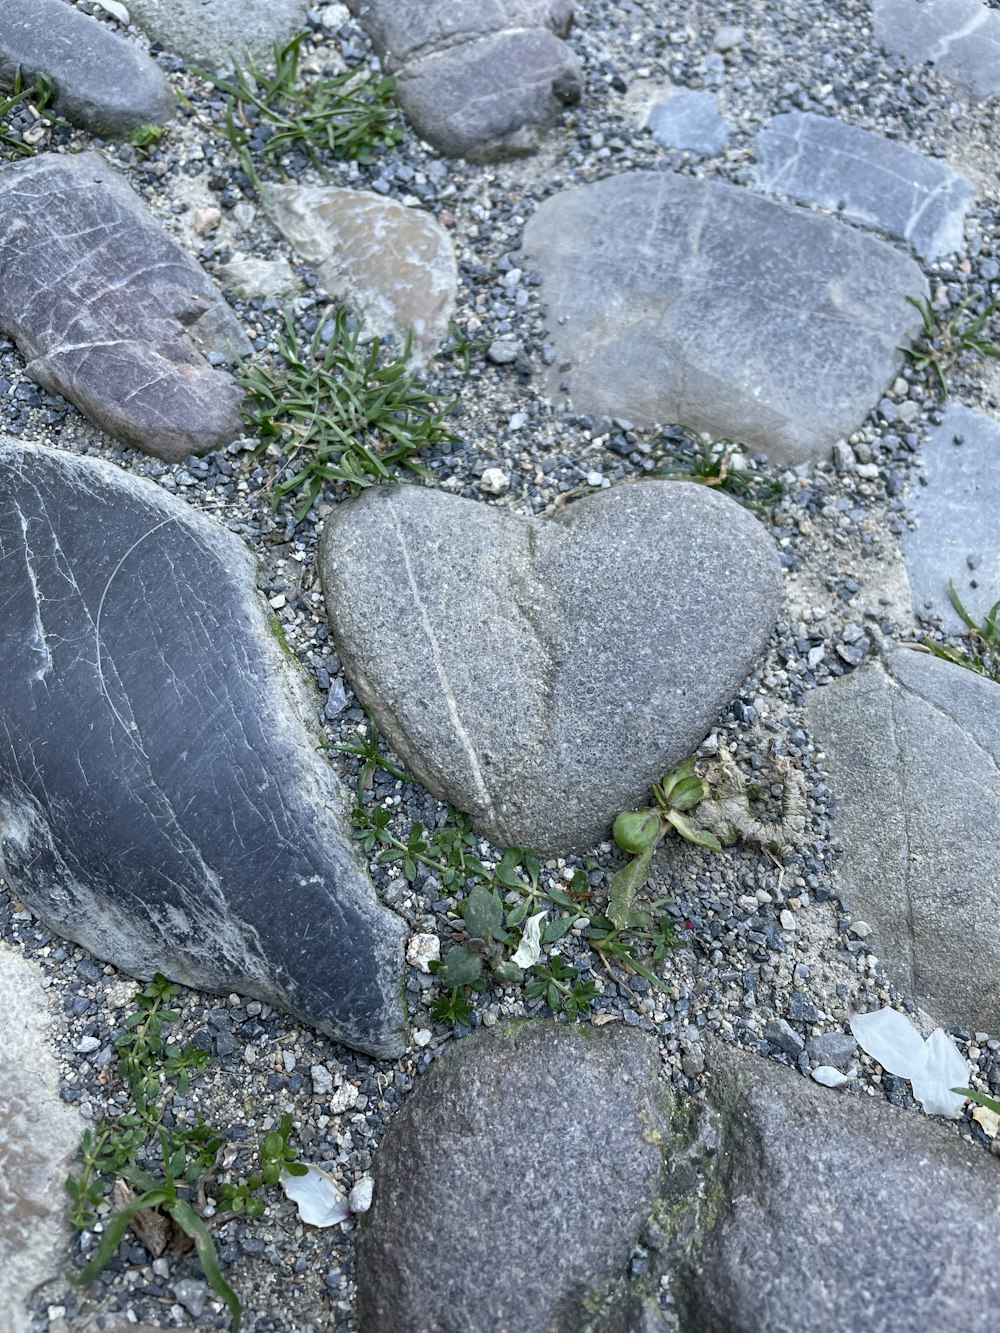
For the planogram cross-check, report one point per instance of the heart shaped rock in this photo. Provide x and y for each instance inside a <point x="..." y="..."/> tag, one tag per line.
<point x="541" y="674"/>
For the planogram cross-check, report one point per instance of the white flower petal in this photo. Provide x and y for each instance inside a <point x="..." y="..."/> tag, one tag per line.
<point x="946" y="1068"/>
<point x="115" y="10"/>
<point x="890" y="1038"/>
<point x="318" y="1196"/>
<point x="530" y="949"/>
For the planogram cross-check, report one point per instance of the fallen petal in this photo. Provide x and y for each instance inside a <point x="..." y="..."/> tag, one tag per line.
<point x="530" y="949"/>
<point x="890" y="1038"/>
<point x="318" y="1196"/>
<point x="945" y="1068"/>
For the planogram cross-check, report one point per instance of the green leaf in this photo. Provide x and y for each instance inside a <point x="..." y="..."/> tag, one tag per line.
<point x="555" y="930"/>
<point x="459" y="968"/>
<point x="507" y="973"/>
<point x="688" y="793"/>
<point x="692" y="833"/>
<point x="483" y="913"/>
<point x="114" y="1230"/>
<point x="980" y="1098"/>
<point x="192" y="1225"/>
<point x="625" y="884"/>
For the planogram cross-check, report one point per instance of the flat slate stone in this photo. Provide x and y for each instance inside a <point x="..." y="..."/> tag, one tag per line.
<point x="211" y="33"/>
<point x="689" y="119"/>
<point x="479" y="79"/>
<point x="913" y="752"/>
<point x="395" y="265"/>
<point x="109" y="312"/>
<point x="100" y="81"/>
<point x="958" y="537"/>
<point x="603" y="673"/>
<point x="866" y="178"/>
<point x="249" y="277"/>
<point x="676" y="300"/>
<point x="961" y="38"/>
<point x="39" y="1136"/>
<point x="513" y="1183"/>
<point x="162" y="800"/>
<point x="835" y="1212"/>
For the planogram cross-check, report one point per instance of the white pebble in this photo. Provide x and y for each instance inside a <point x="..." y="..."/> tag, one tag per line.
<point x="494" y="481"/>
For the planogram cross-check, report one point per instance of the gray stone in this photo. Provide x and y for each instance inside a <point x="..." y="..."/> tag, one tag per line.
<point x="834" y="1211"/>
<point x="913" y="753"/>
<point x="395" y="265"/>
<point x="728" y="37"/>
<point x="958" y="538"/>
<point x="39" y="1135"/>
<point x="866" y="178"/>
<point x="210" y="34"/>
<point x="961" y="38"/>
<point x="680" y="300"/>
<point x="837" y="1049"/>
<point x="782" y="1035"/>
<point x="162" y="799"/>
<point x="605" y="671"/>
<point x="249" y="277"/>
<point x="689" y="120"/>
<point x="100" y="81"/>
<point x="109" y="312"/>
<point x="513" y="1183"/>
<point x="477" y="78"/>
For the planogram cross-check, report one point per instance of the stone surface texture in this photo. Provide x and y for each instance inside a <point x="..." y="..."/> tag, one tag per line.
<point x="395" y="265"/>
<point x="839" y="1212"/>
<point x="101" y="81"/>
<point x="479" y="79"/>
<point x="690" y="120"/>
<point x="109" y="312"/>
<point x="680" y="300"/>
<point x="210" y="34"/>
<point x="513" y="1182"/>
<point x="39" y="1135"/>
<point x="961" y="38"/>
<point x="958" y="536"/>
<point x="248" y="277"/>
<point x="542" y="673"/>
<point x="866" y="178"/>
<point x="162" y="801"/>
<point x="913" y="753"/>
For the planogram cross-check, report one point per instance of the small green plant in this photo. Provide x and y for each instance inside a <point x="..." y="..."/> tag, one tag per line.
<point x="145" y="137"/>
<point x="983" y="653"/>
<point x="980" y="1098"/>
<point x="712" y="463"/>
<point x="36" y="96"/>
<point x="350" y="116"/>
<point x="462" y="344"/>
<point x="342" y="412"/>
<point x="945" y="341"/>
<point x="560" y="985"/>
<point x="151" y="1069"/>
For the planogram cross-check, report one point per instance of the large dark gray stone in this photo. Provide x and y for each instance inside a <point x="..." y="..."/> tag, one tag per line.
<point x="211" y="32"/>
<point x="542" y="673"/>
<point x="681" y="300"/>
<point x="109" y="312"/>
<point x="961" y="38"/>
<point x="513" y="1183"/>
<point x="912" y="746"/>
<point x="958" y="534"/>
<point x="866" y="178"/>
<point x="836" y="1212"/>
<point x="477" y="78"/>
<point x="162" y="800"/>
<point x="101" y="82"/>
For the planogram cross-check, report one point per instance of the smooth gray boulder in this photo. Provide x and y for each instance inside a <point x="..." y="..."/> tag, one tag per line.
<point x="479" y="79"/>
<point x="837" y="1212"/>
<point x="100" y="81"/>
<point x="675" y="300"/>
<point x="513" y="1183"/>
<point x="866" y="178"/>
<point x="961" y="38"/>
<point x="162" y="799"/>
<point x="39" y="1136"/>
<point x="912" y="746"/>
<point x="109" y="312"/>
<point x="691" y="120"/>
<point x="211" y="32"/>
<point x="958" y="536"/>
<point x="541" y="674"/>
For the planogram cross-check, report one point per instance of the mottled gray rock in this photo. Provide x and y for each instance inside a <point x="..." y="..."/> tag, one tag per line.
<point x="913" y="752"/>
<point x="477" y="78"/>
<point x="838" y="1212"/>
<point x="781" y="1034"/>
<point x="680" y="300"/>
<point x="109" y="312"/>
<point x="958" y="537"/>
<point x="604" y="670"/>
<point x="395" y="265"/>
<point x="209" y="34"/>
<point x="961" y="38"/>
<point x="249" y="277"/>
<point x="39" y="1135"/>
<point x="513" y="1183"/>
<point x="838" y="1049"/>
<point x="101" y="82"/>
<point x="162" y="801"/>
<point x="867" y="179"/>
<point x="691" y="120"/>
